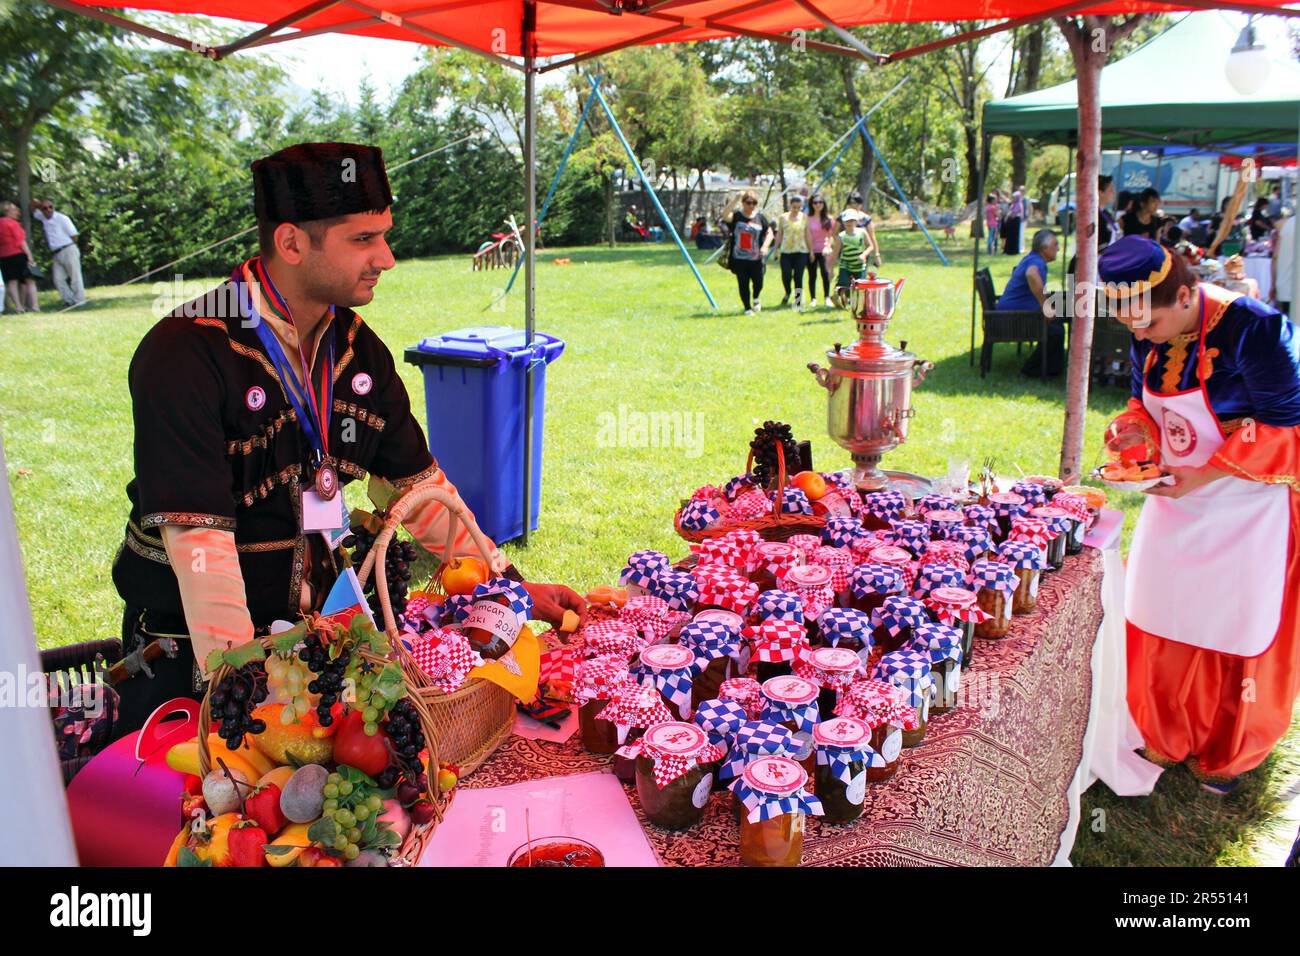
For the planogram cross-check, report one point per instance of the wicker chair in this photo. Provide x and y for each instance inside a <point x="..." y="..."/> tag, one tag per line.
<point x="1019" y="326"/>
<point x="1111" y="342"/>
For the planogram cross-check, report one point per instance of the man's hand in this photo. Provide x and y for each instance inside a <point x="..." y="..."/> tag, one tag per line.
<point x="1187" y="480"/>
<point x="550" y="601"/>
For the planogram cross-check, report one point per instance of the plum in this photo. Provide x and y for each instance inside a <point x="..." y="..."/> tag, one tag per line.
<point x="396" y="817"/>
<point x="303" y="797"/>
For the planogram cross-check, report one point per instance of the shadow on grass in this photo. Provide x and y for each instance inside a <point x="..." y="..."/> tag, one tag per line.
<point x="956" y="376"/>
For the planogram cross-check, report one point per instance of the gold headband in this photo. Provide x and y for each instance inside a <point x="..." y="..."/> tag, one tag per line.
<point x="1116" y="291"/>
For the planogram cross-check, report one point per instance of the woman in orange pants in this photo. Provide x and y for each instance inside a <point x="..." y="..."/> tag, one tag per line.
<point x="1213" y="590"/>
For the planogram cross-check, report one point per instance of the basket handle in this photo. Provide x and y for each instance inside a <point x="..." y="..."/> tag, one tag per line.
<point x="397" y="512"/>
<point x="780" y="476"/>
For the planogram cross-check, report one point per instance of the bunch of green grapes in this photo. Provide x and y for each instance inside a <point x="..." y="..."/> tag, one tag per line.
<point x="372" y="703"/>
<point x="289" y="676"/>
<point x="354" y="805"/>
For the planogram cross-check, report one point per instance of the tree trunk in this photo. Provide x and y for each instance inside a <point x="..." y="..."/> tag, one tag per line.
<point x="867" y="163"/>
<point x="23" y="168"/>
<point x="1031" y="70"/>
<point x="609" y="209"/>
<point x="1088" y="61"/>
<point x="972" y="162"/>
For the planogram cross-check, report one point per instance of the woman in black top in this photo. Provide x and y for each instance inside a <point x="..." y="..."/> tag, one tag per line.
<point x="1141" y="219"/>
<point x="750" y="236"/>
<point x="1260" y="224"/>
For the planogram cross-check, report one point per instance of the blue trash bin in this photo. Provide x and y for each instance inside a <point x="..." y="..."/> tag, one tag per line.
<point x="474" y="407"/>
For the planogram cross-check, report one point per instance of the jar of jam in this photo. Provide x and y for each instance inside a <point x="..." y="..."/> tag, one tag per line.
<point x="673" y="775"/>
<point x="976" y="542"/>
<point x="995" y="584"/>
<point x="720" y="720"/>
<point x="909" y="671"/>
<point x="870" y="584"/>
<point x="778" y="605"/>
<point x="1049" y="483"/>
<point x="717" y="644"/>
<point x="1006" y="505"/>
<point x="495" y="616"/>
<point x="897" y="558"/>
<point x="720" y="550"/>
<point x="910" y="535"/>
<point x="833" y="670"/>
<point x="594" y="682"/>
<point x="981" y="516"/>
<point x="893" y="621"/>
<point x="959" y="608"/>
<point x="671" y="669"/>
<point x="933" y="575"/>
<point x="934" y="501"/>
<point x="1058" y="523"/>
<point x="942" y="523"/>
<point x="775" y="803"/>
<point x="943" y="646"/>
<point x="639" y="574"/>
<point x="771" y="559"/>
<point x="840" y="561"/>
<point x="881" y="508"/>
<point x="653" y="617"/>
<point x="806" y="543"/>
<point x="1035" y="531"/>
<point x="678" y="589"/>
<point x="1028" y="561"/>
<point x="791" y="701"/>
<point x="841" y="531"/>
<point x="632" y="707"/>
<point x="746" y="539"/>
<point x="723" y="588"/>
<point x="746" y="692"/>
<point x="845" y="627"/>
<point x="1079" y="518"/>
<point x="775" y="644"/>
<point x="812" y="582"/>
<point x="843" y="755"/>
<point x="1033" y="493"/>
<point x="755" y="739"/>
<point x="611" y="637"/>
<point x="833" y="504"/>
<point x="885" y="710"/>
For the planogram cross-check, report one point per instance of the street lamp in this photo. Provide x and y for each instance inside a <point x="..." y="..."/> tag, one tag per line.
<point x="1247" y="66"/>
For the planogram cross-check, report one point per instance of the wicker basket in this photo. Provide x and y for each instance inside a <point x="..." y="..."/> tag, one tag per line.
<point x="774" y="527"/>
<point x="463" y="727"/>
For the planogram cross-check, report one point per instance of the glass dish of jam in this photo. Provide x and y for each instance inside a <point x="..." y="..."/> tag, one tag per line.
<point x="559" y="851"/>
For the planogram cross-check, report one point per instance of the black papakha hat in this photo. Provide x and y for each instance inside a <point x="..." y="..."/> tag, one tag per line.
<point x="320" y="181"/>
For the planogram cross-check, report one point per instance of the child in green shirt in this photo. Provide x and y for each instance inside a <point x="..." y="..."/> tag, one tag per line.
<point x="850" y="253"/>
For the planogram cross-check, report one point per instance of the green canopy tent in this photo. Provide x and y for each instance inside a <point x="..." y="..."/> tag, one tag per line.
<point x="1171" y="91"/>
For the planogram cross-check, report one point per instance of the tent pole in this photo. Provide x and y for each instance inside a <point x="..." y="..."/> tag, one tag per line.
<point x="1295" y="238"/>
<point x="1065" y="229"/>
<point x="530" y="248"/>
<point x="555" y="180"/>
<point x="650" y="190"/>
<point x="979" y="237"/>
<point x="902" y="195"/>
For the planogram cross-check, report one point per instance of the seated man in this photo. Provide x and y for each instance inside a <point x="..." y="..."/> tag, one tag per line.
<point x="1026" y="291"/>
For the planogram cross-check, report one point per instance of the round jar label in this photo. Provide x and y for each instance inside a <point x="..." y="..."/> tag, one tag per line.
<point x="779" y="776"/>
<point x="808" y="576"/>
<point x="777" y="551"/>
<point x="888" y="554"/>
<point x="834" y="659"/>
<point x="955" y="597"/>
<point x="700" y="795"/>
<point x="841" y="732"/>
<point x="945" y="516"/>
<point x="675" y="737"/>
<point x="667" y="656"/>
<point x="789" y="689"/>
<point x="732" y="621"/>
<point x="856" y="791"/>
<point x="1049" y="511"/>
<point x="497" y="619"/>
<point x="1006" y="498"/>
<point x="892" y="746"/>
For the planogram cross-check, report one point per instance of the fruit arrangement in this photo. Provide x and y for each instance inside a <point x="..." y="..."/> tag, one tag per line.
<point x="767" y="439"/>
<point x="398" y="559"/>
<point x="318" y="755"/>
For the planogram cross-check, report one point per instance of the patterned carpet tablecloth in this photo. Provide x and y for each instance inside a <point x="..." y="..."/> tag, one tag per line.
<point x="987" y="787"/>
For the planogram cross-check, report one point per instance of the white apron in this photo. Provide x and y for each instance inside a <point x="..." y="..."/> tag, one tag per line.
<point x="1207" y="569"/>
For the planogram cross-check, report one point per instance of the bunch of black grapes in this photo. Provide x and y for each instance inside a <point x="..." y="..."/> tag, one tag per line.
<point x="397" y="566"/>
<point x="764" y="446"/>
<point x="232" y="702"/>
<point x="328" y="682"/>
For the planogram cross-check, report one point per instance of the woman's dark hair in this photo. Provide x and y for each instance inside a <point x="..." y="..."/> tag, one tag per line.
<point x="825" y="216"/>
<point x="1180" y="274"/>
<point x="989" y="198"/>
<point x="1124" y="200"/>
<point x="1261" y="204"/>
<point x="1103" y="182"/>
<point x="1148" y="194"/>
<point x="855" y="197"/>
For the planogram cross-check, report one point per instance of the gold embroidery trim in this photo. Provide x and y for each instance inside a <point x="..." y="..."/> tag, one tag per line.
<point x="191" y="519"/>
<point x="257" y="547"/>
<point x="361" y="414"/>
<point x="270" y="484"/>
<point x="1288" y="480"/>
<point x="347" y="355"/>
<point x="1175" y="362"/>
<point x="156" y="555"/>
<point x="240" y="349"/>
<point x="263" y="440"/>
<point x="402" y="484"/>
<point x="349" y="469"/>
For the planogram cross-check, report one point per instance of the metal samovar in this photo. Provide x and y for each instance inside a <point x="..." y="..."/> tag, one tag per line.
<point x="869" y="386"/>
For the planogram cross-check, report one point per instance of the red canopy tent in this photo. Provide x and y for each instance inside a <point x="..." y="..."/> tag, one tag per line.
<point x="515" y="33"/>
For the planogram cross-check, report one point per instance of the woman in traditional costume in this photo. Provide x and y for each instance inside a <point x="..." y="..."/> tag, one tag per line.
<point x="1213" y="585"/>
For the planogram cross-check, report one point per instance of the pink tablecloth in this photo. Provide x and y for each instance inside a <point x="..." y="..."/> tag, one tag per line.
<point x="989" y="786"/>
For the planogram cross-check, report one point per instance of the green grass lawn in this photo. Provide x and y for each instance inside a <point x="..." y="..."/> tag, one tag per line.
<point x="640" y="335"/>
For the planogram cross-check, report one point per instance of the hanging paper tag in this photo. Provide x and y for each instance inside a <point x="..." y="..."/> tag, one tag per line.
<point x="320" y="514"/>
<point x="892" y="746"/>
<point x="335" y="535"/>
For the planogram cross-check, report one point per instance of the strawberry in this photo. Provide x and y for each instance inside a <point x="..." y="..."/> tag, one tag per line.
<point x="314" y="856"/>
<point x="263" y="807"/>
<point x="193" y="785"/>
<point x="247" y="840"/>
